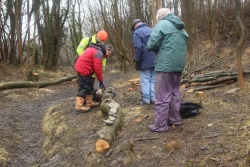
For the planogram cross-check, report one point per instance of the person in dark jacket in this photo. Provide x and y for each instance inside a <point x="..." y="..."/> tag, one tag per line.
<point x="87" y="64"/>
<point x="144" y="60"/>
<point x="168" y="40"/>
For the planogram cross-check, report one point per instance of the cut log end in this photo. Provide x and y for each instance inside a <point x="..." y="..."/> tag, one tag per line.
<point x="102" y="146"/>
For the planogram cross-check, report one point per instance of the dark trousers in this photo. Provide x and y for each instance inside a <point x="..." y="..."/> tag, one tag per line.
<point x="85" y="85"/>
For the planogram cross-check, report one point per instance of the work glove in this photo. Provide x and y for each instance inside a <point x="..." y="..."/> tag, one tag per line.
<point x="102" y="86"/>
<point x="137" y="65"/>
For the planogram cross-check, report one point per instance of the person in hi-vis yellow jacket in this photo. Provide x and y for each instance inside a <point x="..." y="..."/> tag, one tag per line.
<point x="101" y="36"/>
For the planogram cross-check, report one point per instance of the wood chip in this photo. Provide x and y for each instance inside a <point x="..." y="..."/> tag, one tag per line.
<point x="138" y="119"/>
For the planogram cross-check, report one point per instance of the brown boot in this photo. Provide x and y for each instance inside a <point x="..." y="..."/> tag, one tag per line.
<point x="79" y="104"/>
<point x="90" y="102"/>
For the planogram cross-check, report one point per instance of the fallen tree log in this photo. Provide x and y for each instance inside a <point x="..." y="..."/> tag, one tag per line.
<point x="214" y="72"/>
<point x="205" y="87"/>
<point x="107" y="133"/>
<point x="215" y="81"/>
<point x="20" y="84"/>
<point x="203" y="79"/>
<point x="29" y="84"/>
<point x="199" y="88"/>
<point x="208" y="74"/>
<point x="217" y="75"/>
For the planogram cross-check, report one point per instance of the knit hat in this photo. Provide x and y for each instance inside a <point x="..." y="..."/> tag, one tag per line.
<point x="135" y="22"/>
<point x="102" y="35"/>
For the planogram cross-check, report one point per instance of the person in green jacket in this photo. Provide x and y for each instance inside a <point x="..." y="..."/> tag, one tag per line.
<point x="101" y="36"/>
<point x="168" y="40"/>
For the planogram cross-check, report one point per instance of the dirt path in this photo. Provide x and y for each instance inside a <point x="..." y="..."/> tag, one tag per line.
<point x="22" y="118"/>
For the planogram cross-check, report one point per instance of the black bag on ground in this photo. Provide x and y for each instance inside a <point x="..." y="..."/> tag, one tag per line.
<point x="189" y="109"/>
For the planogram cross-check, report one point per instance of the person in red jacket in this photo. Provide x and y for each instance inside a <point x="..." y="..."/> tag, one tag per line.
<point x="87" y="64"/>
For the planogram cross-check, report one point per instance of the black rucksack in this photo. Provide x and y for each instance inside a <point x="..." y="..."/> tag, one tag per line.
<point x="189" y="109"/>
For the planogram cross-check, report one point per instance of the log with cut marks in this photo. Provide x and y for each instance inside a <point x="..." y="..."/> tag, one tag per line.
<point x="107" y="133"/>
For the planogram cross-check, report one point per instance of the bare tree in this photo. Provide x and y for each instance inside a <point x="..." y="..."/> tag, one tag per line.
<point x="28" y="44"/>
<point x="187" y="16"/>
<point x="75" y="24"/>
<point x="1" y="32"/>
<point x="17" y="12"/>
<point x="138" y="9"/>
<point x="209" y="23"/>
<point x="158" y="4"/>
<point x="12" y="29"/>
<point x="51" y="29"/>
<point x="155" y="5"/>
<point x="176" y="4"/>
<point x="213" y="22"/>
<point x="152" y="7"/>
<point x="117" y="39"/>
<point x="240" y="43"/>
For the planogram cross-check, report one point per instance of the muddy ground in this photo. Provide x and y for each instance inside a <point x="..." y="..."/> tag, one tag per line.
<point x="39" y="128"/>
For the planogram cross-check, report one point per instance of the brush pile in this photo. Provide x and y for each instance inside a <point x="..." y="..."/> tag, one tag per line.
<point x="209" y="80"/>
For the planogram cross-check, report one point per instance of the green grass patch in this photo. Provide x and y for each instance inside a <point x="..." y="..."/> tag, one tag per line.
<point x="4" y="157"/>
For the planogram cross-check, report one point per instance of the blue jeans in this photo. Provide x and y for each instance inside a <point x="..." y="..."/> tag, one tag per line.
<point x="147" y="78"/>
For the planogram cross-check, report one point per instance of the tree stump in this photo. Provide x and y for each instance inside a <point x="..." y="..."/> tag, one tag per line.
<point x="31" y="76"/>
<point x="133" y="83"/>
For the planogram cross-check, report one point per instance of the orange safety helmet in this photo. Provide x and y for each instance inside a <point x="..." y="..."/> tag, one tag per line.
<point x="102" y="35"/>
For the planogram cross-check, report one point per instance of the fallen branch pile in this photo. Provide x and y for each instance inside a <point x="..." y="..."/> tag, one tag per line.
<point x="210" y="80"/>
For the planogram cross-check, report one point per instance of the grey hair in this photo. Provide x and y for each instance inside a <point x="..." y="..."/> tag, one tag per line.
<point x="110" y="47"/>
<point x="162" y="13"/>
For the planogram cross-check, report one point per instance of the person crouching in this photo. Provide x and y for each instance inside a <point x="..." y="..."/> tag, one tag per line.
<point x="87" y="64"/>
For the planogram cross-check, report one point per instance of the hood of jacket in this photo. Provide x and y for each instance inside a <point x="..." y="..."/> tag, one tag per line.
<point x="99" y="46"/>
<point x="175" y="20"/>
<point x="168" y="40"/>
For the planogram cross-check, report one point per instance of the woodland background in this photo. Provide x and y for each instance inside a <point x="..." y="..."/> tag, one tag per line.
<point x="47" y="32"/>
